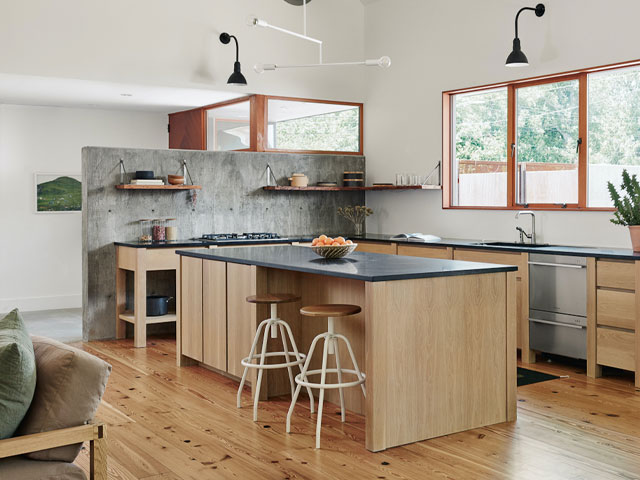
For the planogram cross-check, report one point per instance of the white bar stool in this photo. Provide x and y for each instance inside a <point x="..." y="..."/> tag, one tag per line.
<point x="271" y="326"/>
<point x="330" y="348"/>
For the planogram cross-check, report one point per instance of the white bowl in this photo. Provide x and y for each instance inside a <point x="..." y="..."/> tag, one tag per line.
<point x="334" y="251"/>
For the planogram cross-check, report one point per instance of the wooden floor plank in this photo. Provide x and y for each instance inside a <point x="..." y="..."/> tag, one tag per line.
<point x="167" y="423"/>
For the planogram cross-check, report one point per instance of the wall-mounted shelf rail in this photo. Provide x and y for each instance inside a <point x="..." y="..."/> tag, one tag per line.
<point x="352" y="189"/>
<point x="158" y="187"/>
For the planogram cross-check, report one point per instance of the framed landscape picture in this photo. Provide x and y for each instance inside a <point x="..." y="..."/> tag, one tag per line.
<point x="58" y="193"/>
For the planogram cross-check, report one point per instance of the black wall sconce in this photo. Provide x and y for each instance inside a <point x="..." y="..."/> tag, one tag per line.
<point x="236" y="77"/>
<point x="517" y="58"/>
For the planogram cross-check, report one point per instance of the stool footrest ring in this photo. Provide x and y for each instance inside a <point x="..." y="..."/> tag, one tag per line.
<point x="354" y="383"/>
<point x="248" y="361"/>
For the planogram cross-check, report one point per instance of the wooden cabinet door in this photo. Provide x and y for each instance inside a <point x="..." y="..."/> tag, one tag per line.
<point x="376" y="247"/>
<point x="434" y="251"/>
<point x="191" y="307"/>
<point x="241" y="315"/>
<point x="214" y="314"/>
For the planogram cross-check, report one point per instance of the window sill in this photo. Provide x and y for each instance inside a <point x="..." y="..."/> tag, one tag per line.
<point x="536" y="208"/>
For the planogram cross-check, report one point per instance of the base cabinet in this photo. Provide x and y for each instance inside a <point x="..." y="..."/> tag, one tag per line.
<point x="615" y="311"/>
<point x="217" y="324"/>
<point x="522" y="288"/>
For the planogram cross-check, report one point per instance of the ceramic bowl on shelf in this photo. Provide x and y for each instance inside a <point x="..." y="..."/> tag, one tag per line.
<point x="334" y="251"/>
<point x="175" y="179"/>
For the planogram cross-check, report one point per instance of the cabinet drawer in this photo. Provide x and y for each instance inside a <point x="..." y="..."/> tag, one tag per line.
<point x="616" y="274"/>
<point x="490" y="257"/>
<point x="376" y="247"/>
<point x="616" y="309"/>
<point x="616" y="349"/>
<point x="427" y="252"/>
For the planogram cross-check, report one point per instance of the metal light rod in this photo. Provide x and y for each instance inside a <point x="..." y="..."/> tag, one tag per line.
<point x="382" y="62"/>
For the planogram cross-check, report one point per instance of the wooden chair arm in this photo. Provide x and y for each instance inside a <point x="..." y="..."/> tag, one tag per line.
<point x="35" y="442"/>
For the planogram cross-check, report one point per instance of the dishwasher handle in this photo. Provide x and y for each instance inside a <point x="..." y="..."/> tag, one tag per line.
<point x="562" y="265"/>
<point x="556" y="324"/>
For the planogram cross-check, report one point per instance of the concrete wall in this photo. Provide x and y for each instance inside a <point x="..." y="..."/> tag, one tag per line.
<point x="231" y="200"/>
<point x="442" y="45"/>
<point x="40" y="253"/>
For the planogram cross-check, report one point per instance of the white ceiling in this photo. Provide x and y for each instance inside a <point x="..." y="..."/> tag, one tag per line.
<point x="68" y="92"/>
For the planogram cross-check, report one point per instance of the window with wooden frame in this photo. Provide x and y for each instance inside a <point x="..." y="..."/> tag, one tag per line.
<point x="547" y="143"/>
<point x="261" y="123"/>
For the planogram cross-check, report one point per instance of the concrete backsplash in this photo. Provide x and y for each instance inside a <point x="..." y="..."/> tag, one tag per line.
<point x="231" y="200"/>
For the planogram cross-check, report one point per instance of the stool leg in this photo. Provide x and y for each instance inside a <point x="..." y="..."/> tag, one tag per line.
<point x="323" y="377"/>
<point x="286" y="356"/>
<point x="256" y="393"/>
<point x="297" y="354"/>
<point x="246" y="369"/>
<point x="303" y="375"/>
<point x="353" y="359"/>
<point x="339" y="368"/>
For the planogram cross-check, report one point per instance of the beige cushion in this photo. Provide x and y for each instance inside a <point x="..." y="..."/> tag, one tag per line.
<point x="25" y="469"/>
<point x="68" y="391"/>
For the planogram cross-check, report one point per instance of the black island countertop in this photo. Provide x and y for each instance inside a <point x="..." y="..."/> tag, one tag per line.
<point x="369" y="267"/>
<point x="600" y="252"/>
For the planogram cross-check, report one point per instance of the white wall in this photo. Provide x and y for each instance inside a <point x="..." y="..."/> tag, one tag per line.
<point x="442" y="45"/>
<point x="41" y="254"/>
<point x="175" y="43"/>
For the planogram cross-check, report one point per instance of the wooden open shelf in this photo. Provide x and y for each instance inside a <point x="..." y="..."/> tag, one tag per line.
<point x="169" y="317"/>
<point x="158" y="187"/>
<point x="339" y="189"/>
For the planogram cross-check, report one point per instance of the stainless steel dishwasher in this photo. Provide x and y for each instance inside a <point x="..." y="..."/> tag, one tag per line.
<point x="558" y="304"/>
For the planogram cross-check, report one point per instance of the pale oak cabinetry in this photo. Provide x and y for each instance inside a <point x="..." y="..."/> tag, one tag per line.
<point x="376" y="247"/>
<point x="521" y="260"/>
<point x="615" y="306"/>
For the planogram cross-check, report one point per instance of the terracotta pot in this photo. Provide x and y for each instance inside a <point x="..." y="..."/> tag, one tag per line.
<point x="634" y="231"/>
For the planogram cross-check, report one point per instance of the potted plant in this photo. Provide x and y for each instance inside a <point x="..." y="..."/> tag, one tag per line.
<point x="627" y="206"/>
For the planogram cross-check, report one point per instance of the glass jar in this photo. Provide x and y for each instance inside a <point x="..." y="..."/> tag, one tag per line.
<point x="159" y="230"/>
<point x="145" y="230"/>
<point x="171" y="230"/>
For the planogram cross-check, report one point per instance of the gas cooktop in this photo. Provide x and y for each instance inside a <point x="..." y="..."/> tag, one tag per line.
<point x="239" y="237"/>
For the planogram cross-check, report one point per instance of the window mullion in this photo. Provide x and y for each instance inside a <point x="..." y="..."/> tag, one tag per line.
<point x="511" y="141"/>
<point x="583" y="166"/>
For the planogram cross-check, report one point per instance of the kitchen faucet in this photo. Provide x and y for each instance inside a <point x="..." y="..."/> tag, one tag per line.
<point x="532" y="235"/>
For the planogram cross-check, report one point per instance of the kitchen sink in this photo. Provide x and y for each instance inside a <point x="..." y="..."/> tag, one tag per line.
<point x="513" y="244"/>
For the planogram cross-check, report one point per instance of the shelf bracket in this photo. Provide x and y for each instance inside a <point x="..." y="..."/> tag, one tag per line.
<point x="185" y="172"/>
<point x="438" y="169"/>
<point x="123" y="171"/>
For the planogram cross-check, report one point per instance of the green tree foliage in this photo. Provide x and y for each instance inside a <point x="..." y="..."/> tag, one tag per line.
<point x="337" y="131"/>
<point x="614" y="117"/>
<point x="628" y="207"/>
<point x="481" y="126"/>
<point x="547" y="121"/>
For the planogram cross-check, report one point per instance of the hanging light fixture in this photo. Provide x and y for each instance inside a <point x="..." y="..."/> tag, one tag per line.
<point x="253" y="21"/>
<point x="517" y="58"/>
<point x="236" y="77"/>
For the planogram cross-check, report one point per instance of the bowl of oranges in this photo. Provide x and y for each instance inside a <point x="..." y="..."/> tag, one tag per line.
<point x="328" y="247"/>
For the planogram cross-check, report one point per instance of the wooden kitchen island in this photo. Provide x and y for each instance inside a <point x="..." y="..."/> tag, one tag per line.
<point x="436" y="338"/>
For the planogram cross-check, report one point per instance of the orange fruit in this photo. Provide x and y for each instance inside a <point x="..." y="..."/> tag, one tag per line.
<point x="315" y="242"/>
<point x="328" y="241"/>
<point x="349" y="242"/>
<point x="336" y="244"/>
<point x="322" y="238"/>
<point x="340" y="240"/>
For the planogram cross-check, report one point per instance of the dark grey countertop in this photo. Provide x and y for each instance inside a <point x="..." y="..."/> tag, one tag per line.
<point x="199" y="243"/>
<point x="369" y="267"/>
<point x="601" y="252"/>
